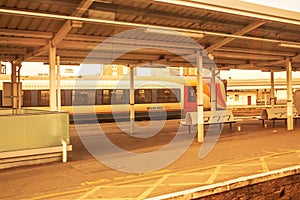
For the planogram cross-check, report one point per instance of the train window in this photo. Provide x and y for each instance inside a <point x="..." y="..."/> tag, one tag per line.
<point x="43" y="98"/>
<point x="83" y="97"/>
<point x="143" y="96"/>
<point x="192" y="93"/>
<point x="236" y="97"/>
<point x="66" y="97"/>
<point x="26" y="98"/>
<point x="168" y="95"/>
<point x="98" y="97"/>
<point x="0" y="98"/>
<point x="114" y="97"/>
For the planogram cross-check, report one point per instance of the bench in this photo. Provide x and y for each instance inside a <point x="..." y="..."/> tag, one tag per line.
<point x="217" y="117"/>
<point x="276" y="114"/>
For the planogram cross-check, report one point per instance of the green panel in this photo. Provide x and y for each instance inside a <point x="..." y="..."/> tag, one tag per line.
<point x="35" y="130"/>
<point x="47" y="130"/>
<point x="13" y="133"/>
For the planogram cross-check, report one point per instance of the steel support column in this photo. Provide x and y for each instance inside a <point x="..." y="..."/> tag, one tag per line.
<point x="52" y="91"/>
<point x="289" y="96"/>
<point x="132" y="120"/>
<point x="19" y="85"/>
<point x="58" y="83"/>
<point x="14" y="87"/>
<point x="272" y="90"/>
<point x="213" y="91"/>
<point x="199" y="61"/>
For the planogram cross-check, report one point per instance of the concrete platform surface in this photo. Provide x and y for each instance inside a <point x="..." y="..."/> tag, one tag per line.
<point x="252" y="150"/>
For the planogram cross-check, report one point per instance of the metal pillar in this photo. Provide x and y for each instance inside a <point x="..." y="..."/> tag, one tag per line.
<point x="58" y="84"/>
<point x="14" y="87"/>
<point x="213" y="91"/>
<point x="19" y="87"/>
<point x="131" y="70"/>
<point x="265" y="97"/>
<point x="199" y="62"/>
<point x="272" y="90"/>
<point x="289" y="96"/>
<point x="52" y="56"/>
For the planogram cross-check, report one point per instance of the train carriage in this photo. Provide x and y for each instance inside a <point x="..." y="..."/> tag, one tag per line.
<point x="171" y="96"/>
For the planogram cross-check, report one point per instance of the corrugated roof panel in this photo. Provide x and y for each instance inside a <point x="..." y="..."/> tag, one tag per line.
<point x="44" y="7"/>
<point x="4" y="20"/>
<point x="25" y="21"/>
<point x="2" y="2"/>
<point x="54" y="26"/>
<point x="34" y="5"/>
<point x="44" y="25"/>
<point x="22" y="4"/>
<point x="85" y="27"/>
<point x="11" y="3"/>
<point x="54" y="8"/>
<point x="91" y="30"/>
<point x="162" y="14"/>
<point x="14" y="22"/>
<point x="35" y="23"/>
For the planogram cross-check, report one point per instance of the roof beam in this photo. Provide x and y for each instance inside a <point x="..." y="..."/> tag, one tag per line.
<point x="23" y="41"/>
<point x="25" y="33"/>
<point x="274" y="63"/>
<point x="64" y="30"/>
<point x="241" y="32"/>
<point x="296" y="58"/>
<point x="12" y="50"/>
<point x="246" y="56"/>
<point x="280" y="62"/>
<point x="7" y="58"/>
<point x="240" y="66"/>
<point x="61" y="34"/>
<point x="82" y="8"/>
<point x="256" y="51"/>
<point x="125" y="43"/>
<point x="241" y="8"/>
<point x="133" y="56"/>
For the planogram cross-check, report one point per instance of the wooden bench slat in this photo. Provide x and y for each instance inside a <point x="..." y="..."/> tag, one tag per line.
<point x="273" y="114"/>
<point x="216" y="117"/>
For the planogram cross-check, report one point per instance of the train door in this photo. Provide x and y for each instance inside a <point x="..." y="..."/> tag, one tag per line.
<point x="249" y="101"/>
<point x="190" y="100"/>
<point x="0" y="98"/>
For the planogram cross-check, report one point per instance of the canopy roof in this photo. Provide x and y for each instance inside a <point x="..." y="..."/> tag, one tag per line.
<point x="236" y="34"/>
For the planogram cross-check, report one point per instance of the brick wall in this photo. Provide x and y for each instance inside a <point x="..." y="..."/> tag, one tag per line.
<point x="281" y="188"/>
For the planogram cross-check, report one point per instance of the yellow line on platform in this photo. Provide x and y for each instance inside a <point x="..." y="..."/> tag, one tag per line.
<point x="262" y="161"/>
<point x="58" y="194"/>
<point x="214" y="175"/>
<point x="264" y="164"/>
<point x="154" y="186"/>
<point x="87" y="194"/>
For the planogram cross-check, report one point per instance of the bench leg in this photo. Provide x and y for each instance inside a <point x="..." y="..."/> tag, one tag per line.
<point x="273" y="123"/>
<point x="189" y="129"/>
<point x="230" y="126"/>
<point x="285" y="122"/>
<point x="263" y="122"/>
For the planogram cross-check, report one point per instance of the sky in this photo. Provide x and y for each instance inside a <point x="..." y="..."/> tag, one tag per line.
<point x="294" y="5"/>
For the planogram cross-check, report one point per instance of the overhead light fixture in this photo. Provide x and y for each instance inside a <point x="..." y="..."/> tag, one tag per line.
<point x="76" y="24"/>
<point x="211" y="56"/>
<point x="290" y="45"/>
<point x="103" y="1"/>
<point x="173" y="32"/>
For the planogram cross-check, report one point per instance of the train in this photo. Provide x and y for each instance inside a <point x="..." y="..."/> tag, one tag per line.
<point x="109" y="96"/>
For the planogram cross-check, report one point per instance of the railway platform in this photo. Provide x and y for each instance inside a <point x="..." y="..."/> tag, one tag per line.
<point x="252" y="150"/>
